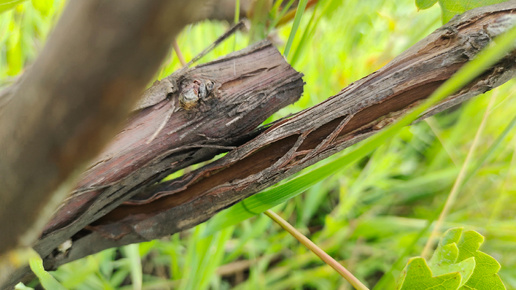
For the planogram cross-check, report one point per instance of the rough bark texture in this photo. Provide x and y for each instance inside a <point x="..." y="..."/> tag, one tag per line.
<point x="286" y="147"/>
<point x="74" y="98"/>
<point x="248" y="86"/>
<point x="236" y="94"/>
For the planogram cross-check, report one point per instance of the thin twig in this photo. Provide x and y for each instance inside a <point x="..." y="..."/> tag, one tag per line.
<point x="316" y="250"/>
<point x="221" y="38"/>
<point x="178" y="52"/>
<point x="457" y="185"/>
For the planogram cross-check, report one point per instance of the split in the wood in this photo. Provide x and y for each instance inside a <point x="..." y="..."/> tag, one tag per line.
<point x="265" y="158"/>
<point x="356" y="112"/>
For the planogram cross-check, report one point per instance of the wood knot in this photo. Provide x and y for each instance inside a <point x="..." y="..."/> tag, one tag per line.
<point x="194" y="91"/>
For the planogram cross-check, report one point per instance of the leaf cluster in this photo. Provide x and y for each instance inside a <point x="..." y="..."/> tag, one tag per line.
<point x="457" y="263"/>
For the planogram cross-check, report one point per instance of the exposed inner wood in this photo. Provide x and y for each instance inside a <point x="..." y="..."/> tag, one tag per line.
<point x="249" y="86"/>
<point x="132" y="207"/>
<point x="293" y="144"/>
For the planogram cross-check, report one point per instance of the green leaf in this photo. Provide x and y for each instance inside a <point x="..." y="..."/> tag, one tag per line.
<point x="450" y="8"/>
<point x="425" y="4"/>
<point x="132" y="253"/>
<point x="259" y="18"/>
<point x="46" y="280"/>
<point x="417" y="275"/>
<point x="9" y="4"/>
<point x="14" y="53"/>
<point x="445" y="258"/>
<point x="203" y="257"/>
<point x="43" y="6"/>
<point x="301" y="6"/>
<point x="457" y="255"/>
<point x="485" y="275"/>
<point x="21" y="286"/>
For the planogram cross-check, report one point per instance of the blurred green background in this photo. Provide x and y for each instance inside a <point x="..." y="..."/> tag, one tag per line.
<point x="366" y="216"/>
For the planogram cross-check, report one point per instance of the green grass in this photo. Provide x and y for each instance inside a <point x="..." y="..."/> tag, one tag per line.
<point x="369" y="214"/>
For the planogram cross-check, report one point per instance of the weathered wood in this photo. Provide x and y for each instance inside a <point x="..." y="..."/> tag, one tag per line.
<point x="288" y="146"/>
<point x="236" y="94"/>
<point x="248" y="87"/>
<point x="73" y="99"/>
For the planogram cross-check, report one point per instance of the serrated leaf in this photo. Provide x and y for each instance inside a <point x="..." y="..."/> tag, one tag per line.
<point x="445" y="262"/>
<point x="457" y="253"/>
<point x="450" y="8"/>
<point x="445" y="258"/>
<point x="485" y="275"/>
<point x="452" y="235"/>
<point x="469" y="244"/>
<point x="417" y="276"/>
<point x="425" y="4"/>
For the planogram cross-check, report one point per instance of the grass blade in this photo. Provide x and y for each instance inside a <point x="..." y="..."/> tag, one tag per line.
<point x="46" y="280"/>
<point x="297" y="21"/>
<point x="273" y="196"/>
<point x="316" y="250"/>
<point x="132" y="253"/>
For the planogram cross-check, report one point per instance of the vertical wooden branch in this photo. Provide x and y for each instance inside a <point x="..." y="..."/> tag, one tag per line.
<point x="74" y="98"/>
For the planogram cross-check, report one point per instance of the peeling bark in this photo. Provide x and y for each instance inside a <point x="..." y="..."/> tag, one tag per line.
<point x="265" y="156"/>
<point x="247" y="87"/>
<point x="206" y="110"/>
<point x="355" y="113"/>
<point x="73" y="99"/>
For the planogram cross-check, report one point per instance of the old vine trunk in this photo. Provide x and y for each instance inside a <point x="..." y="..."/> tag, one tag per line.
<point x="119" y="202"/>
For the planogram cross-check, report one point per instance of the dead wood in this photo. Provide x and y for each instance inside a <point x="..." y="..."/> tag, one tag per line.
<point x="248" y="86"/>
<point x="73" y="99"/>
<point x="206" y="110"/>
<point x="355" y="113"/>
<point x="358" y="111"/>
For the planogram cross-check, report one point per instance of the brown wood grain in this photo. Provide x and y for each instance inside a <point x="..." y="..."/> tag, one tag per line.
<point x="249" y="86"/>
<point x="358" y="111"/>
<point x="73" y="99"/>
<point x="147" y="210"/>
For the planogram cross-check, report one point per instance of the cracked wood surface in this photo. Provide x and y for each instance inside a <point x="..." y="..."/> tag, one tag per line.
<point x="227" y="100"/>
<point x="248" y="86"/>
<point x="73" y="99"/>
<point x="289" y="145"/>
